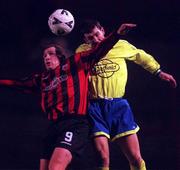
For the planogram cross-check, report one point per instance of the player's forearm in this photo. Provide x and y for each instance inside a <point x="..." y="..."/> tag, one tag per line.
<point x="147" y="61"/>
<point x="17" y="84"/>
<point x="105" y="46"/>
<point x="9" y="83"/>
<point x="101" y="49"/>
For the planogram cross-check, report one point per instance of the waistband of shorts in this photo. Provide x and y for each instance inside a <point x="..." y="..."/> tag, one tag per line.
<point x="106" y="99"/>
<point x="70" y="116"/>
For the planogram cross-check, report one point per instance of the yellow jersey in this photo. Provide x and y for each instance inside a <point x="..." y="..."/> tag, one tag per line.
<point x="109" y="76"/>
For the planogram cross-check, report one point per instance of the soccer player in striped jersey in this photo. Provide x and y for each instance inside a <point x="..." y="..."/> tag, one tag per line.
<point x="110" y="113"/>
<point x="64" y="92"/>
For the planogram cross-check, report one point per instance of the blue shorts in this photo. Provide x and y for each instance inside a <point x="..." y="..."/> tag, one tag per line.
<point x="111" y="118"/>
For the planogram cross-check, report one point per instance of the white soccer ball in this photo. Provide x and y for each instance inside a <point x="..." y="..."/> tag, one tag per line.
<point x="61" y="22"/>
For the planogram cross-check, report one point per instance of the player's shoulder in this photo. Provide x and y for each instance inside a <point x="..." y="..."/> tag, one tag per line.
<point x="124" y="44"/>
<point x="83" y="47"/>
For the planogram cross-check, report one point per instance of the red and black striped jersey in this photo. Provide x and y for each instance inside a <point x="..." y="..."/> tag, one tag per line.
<point x="64" y="90"/>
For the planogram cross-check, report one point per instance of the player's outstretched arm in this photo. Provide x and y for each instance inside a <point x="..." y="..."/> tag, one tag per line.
<point x="102" y="48"/>
<point x="7" y="83"/>
<point x="123" y="29"/>
<point x="25" y="85"/>
<point x="169" y="78"/>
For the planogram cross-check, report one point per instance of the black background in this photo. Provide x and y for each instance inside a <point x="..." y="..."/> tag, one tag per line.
<point x="23" y="25"/>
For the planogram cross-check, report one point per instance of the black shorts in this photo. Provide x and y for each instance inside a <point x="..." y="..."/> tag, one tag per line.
<point x="70" y="133"/>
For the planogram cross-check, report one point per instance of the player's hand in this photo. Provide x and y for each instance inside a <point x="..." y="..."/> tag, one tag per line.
<point x="125" y="28"/>
<point x="167" y="77"/>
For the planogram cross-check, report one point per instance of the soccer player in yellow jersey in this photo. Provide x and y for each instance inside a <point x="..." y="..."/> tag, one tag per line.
<point x="110" y="113"/>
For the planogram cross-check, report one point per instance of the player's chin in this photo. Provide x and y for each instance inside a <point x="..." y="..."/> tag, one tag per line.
<point x="48" y="67"/>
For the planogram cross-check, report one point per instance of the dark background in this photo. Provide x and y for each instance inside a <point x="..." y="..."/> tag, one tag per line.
<point x="23" y="25"/>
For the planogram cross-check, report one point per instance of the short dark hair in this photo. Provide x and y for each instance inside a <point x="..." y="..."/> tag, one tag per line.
<point x="87" y="25"/>
<point x="53" y="43"/>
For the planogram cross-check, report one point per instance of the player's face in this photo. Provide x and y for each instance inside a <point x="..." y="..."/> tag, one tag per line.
<point x="50" y="57"/>
<point x="95" y="36"/>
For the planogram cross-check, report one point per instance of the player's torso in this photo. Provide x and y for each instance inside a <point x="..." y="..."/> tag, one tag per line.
<point x="62" y="88"/>
<point x="108" y="77"/>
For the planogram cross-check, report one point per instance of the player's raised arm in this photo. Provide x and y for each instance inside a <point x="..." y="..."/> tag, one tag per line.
<point x="103" y="47"/>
